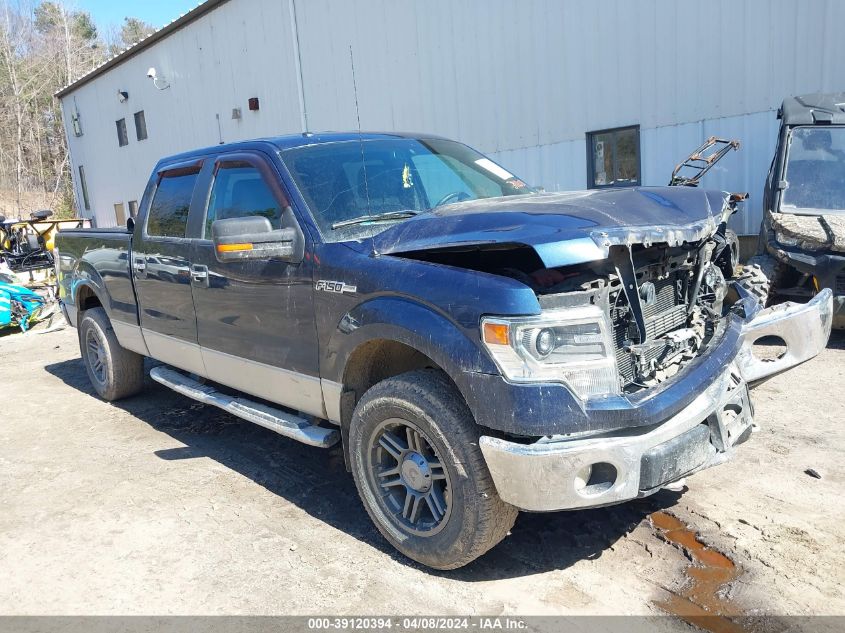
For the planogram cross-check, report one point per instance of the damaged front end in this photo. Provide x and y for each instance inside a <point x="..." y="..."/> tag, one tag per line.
<point x="663" y="306"/>
<point x="616" y="326"/>
<point x="624" y="333"/>
<point x="573" y="470"/>
<point x="632" y="287"/>
<point x="632" y="369"/>
<point x="646" y="311"/>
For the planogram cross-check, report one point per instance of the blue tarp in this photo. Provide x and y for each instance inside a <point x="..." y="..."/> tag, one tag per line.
<point x="19" y="306"/>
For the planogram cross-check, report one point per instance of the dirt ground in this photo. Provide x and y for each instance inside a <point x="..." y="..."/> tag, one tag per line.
<point x="159" y="505"/>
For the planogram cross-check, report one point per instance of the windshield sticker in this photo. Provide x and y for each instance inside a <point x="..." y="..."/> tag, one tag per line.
<point x="493" y="168"/>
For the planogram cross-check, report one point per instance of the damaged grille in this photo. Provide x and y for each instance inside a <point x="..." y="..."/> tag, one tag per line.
<point x="681" y="291"/>
<point x="666" y="313"/>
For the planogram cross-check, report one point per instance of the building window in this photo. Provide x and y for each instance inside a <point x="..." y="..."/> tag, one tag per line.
<point x="140" y="126"/>
<point x="613" y="157"/>
<point x="76" y="123"/>
<point x="84" y="186"/>
<point x="122" y="136"/>
<point x="133" y="208"/>
<point x="120" y="214"/>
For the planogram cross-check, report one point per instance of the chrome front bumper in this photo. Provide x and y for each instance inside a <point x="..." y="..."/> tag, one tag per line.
<point x="803" y="327"/>
<point x="561" y="472"/>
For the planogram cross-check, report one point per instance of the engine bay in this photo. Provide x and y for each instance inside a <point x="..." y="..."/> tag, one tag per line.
<point x="670" y="310"/>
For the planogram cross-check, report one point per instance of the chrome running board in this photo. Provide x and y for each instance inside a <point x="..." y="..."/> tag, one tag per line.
<point x="282" y="422"/>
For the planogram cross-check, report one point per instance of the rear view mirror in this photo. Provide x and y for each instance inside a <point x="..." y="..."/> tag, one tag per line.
<point x="253" y="237"/>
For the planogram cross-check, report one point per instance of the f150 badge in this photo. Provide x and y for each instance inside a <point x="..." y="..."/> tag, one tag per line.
<point x="335" y="286"/>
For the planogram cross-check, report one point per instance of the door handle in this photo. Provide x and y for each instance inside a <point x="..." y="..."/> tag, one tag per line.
<point x="199" y="274"/>
<point x="140" y="265"/>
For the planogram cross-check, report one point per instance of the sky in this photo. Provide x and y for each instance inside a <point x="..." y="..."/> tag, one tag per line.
<point x="107" y="13"/>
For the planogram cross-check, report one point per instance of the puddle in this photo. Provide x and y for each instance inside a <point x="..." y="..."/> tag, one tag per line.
<point x="702" y="601"/>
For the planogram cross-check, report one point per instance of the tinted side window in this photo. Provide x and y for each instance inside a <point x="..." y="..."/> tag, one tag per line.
<point x="168" y="215"/>
<point x="239" y="191"/>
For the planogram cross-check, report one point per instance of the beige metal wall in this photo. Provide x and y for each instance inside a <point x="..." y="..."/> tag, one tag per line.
<point x="521" y="79"/>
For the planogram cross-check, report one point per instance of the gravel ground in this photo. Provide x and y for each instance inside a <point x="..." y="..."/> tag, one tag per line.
<point x="159" y="505"/>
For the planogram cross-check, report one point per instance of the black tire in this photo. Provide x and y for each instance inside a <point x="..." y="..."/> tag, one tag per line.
<point x="758" y="277"/>
<point x="474" y="518"/>
<point x="115" y="372"/>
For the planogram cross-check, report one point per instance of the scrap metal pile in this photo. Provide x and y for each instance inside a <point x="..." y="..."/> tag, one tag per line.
<point x="27" y="279"/>
<point x="19" y="306"/>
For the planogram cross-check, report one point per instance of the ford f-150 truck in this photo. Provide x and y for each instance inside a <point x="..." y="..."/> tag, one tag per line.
<point x="477" y="346"/>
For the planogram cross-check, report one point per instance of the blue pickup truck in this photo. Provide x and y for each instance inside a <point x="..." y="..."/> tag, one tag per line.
<point x="478" y="347"/>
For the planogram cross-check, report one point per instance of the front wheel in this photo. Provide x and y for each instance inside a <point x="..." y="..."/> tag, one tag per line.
<point x="115" y="372"/>
<point x="419" y="471"/>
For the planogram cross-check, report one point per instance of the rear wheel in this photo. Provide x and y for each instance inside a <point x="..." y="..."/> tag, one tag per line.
<point x="114" y="371"/>
<point x="419" y="471"/>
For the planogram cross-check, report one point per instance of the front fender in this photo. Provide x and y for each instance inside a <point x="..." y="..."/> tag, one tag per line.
<point x="455" y="349"/>
<point x="452" y="347"/>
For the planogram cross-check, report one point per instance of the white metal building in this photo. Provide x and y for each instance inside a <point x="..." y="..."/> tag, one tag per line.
<point x="528" y="82"/>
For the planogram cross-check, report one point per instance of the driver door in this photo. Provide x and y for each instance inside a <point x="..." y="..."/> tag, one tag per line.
<point x="255" y="318"/>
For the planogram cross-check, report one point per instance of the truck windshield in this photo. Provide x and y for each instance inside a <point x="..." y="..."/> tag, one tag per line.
<point x="364" y="186"/>
<point x="815" y="171"/>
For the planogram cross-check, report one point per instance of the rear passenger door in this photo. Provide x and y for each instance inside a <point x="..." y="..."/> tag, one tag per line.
<point x="161" y="269"/>
<point x="255" y="318"/>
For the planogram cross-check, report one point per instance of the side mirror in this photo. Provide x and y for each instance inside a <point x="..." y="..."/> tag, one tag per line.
<point x="237" y="239"/>
<point x="130" y="225"/>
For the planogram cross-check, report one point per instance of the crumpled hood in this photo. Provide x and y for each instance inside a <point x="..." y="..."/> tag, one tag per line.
<point x="563" y="228"/>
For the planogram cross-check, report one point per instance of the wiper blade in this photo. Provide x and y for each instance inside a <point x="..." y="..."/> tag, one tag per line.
<point x="390" y="215"/>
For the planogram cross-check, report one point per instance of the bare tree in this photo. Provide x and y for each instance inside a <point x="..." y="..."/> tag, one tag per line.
<point x="14" y="45"/>
<point x="43" y="47"/>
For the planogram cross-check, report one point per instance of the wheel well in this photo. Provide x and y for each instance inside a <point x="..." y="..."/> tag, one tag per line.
<point x="373" y="362"/>
<point x="86" y="299"/>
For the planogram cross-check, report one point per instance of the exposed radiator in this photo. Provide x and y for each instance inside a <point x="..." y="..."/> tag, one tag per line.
<point x="665" y="314"/>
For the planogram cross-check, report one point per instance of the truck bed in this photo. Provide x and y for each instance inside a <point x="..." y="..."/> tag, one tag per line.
<point x="100" y="258"/>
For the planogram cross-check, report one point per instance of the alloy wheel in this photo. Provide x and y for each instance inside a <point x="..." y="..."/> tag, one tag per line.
<point x="408" y="477"/>
<point x="96" y="352"/>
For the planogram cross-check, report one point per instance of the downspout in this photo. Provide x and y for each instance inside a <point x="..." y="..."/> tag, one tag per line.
<point x="297" y="60"/>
